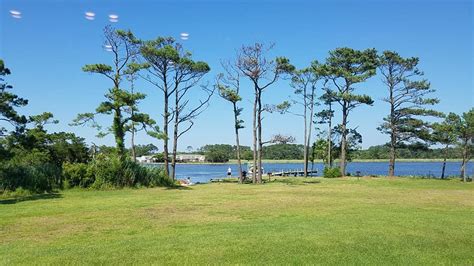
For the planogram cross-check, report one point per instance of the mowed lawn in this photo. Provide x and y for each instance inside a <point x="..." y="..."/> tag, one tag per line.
<point x="341" y="221"/>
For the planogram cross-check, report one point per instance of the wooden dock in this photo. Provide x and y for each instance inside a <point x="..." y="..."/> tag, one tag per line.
<point x="293" y="173"/>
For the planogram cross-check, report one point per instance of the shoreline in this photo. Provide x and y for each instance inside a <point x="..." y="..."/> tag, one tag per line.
<point x="232" y="161"/>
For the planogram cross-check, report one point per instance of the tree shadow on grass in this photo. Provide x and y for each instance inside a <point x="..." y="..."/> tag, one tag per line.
<point x="179" y="188"/>
<point x="18" y="199"/>
<point x="295" y="181"/>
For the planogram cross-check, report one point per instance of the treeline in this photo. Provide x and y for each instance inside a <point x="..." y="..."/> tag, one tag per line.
<point x="226" y="152"/>
<point x="415" y="151"/>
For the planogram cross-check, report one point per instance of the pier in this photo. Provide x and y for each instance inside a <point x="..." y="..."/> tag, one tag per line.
<point x="293" y="173"/>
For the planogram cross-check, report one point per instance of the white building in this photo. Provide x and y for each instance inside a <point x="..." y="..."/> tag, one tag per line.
<point x="190" y="158"/>
<point x="145" y="159"/>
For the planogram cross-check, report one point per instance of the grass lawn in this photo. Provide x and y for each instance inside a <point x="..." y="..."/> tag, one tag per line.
<point x="340" y="221"/>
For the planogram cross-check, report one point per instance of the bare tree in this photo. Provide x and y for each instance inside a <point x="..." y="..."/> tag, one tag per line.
<point x="325" y="116"/>
<point x="160" y="56"/>
<point x="132" y="75"/>
<point x="228" y="85"/>
<point x="174" y="73"/>
<point x="253" y="63"/>
<point x="304" y="83"/>
<point x="281" y="139"/>
<point x="184" y="113"/>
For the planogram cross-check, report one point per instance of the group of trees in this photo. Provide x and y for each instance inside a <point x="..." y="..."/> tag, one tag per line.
<point x="335" y="83"/>
<point x="322" y="90"/>
<point x="164" y="64"/>
<point x="38" y="161"/>
<point x="455" y="130"/>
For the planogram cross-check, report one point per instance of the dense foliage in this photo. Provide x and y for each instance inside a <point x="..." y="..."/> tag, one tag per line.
<point x="33" y="159"/>
<point x="110" y="171"/>
<point x="283" y="152"/>
<point x="9" y="102"/>
<point x="414" y="151"/>
<point x="215" y="152"/>
<point x="218" y="152"/>
<point x="226" y="152"/>
<point x="334" y="172"/>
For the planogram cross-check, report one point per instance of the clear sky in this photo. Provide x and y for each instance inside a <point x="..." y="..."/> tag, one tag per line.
<point x="48" y="45"/>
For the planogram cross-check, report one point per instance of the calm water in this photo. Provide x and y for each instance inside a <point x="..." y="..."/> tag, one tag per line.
<point x="204" y="172"/>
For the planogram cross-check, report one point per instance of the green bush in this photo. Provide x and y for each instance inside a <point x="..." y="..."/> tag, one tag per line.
<point x="109" y="171"/>
<point x="34" y="173"/>
<point x="156" y="177"/>
<point x="77" y="175"/>
<point x="332" y="172"/>
<point x="30" y="172"/>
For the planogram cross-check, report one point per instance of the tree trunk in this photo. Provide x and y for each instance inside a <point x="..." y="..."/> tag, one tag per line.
<point x="464" y="162"/>
<point x="393" y="133"/>
<point x="260" y="142"/>
<point x="308" y="140"/>
<point x="305" y="146"/>
<point x="165" y="130"/>
<point x="343" y="140"/>
<point x="444" y="160"/>
<point x="254" y="173"/>
<point x="132" y="139"/>
<point x="175" y="149"/>
<point x="175" y="136"/>
<point x="330" y="138"/>
<point x="391" y="165"/>
<point x="237" y="142"/>
<point x="119" y="134"/>
<point x="134" y="154"/>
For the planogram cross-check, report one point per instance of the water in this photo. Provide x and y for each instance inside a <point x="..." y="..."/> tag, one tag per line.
<point x="204" y="172"/>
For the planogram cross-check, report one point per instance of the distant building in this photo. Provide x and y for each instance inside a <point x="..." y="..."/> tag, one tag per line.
<point x="146" y="159"/>
<point x="190" y="158"/>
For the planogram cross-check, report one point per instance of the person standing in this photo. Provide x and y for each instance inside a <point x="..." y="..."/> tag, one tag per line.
<point x="229" y="172"/>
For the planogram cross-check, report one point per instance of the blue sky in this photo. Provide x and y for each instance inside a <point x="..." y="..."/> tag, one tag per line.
<point x="47" y="47"/>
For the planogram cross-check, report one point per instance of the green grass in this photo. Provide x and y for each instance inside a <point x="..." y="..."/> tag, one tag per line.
<point x="293" y="221"/>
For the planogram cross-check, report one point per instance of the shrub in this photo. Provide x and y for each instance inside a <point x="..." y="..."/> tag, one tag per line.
<point x="109" y="171"/>
<point x="157" y="177"/>
<point x="77" y="175"/>
<point x="33" y="172"/>
<point x="135" y="174"/>
<point x="331" y="172"/>
<point x="30" y="172"/>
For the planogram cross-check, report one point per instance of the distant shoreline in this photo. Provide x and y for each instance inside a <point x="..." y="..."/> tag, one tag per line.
<point x="320" y="161"/>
